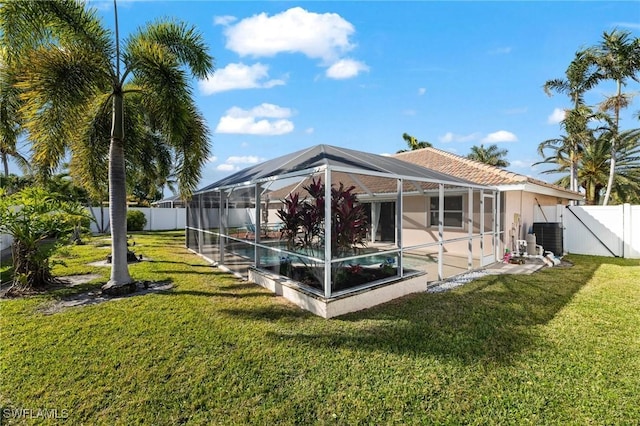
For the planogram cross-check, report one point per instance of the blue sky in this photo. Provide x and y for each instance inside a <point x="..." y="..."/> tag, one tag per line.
<point x="360" y="74"/>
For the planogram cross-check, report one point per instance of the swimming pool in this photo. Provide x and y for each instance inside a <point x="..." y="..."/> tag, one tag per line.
<point x="277" y="253"/>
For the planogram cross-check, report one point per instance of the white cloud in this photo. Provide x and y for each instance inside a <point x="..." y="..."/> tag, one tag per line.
<point x="224" y="20"/>
<point x="500" y="136"/>
<point x="556" y="116"/>
<point x="422" y="91"/>
<point x="238" y="76"/>
<point x="270" y="110"/>
<point x="386" y="154"/>
<point x="324" y="36"/>
<point x="346" y="68"/>
<point x="212" y="159"/>
<point x="523" y="164"/>
<point x="247" y="159"/>
<point x="453" y="137"/>
<point x="310" y="130"/>
<point x="240" y="121"/>
<point x="227" y="168"/>
<point x="409" y="112"/>
<point x="235" y="163"/>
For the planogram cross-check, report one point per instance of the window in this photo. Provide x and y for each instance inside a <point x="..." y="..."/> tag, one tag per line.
<point x="453" y="217"/>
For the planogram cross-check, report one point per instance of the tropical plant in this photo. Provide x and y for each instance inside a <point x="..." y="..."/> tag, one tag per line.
<point x="593" y="162"/>
<point x="413" y="143"/>
<point x="82" y="87"/>
<point x="14" y="183"/>
<point x="10" y="118"/>
<point x="490" y="155"/>
<point x="303" y="223"/>
<point x="30" y="216"/>
<point x="580" y="78"/>
<point x="617" y="58"/>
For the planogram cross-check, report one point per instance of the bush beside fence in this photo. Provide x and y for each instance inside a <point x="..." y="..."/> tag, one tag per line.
<point x="158" y="218"/>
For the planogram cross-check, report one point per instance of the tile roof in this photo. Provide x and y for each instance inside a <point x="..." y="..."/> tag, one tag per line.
<point x="474" y="171"/>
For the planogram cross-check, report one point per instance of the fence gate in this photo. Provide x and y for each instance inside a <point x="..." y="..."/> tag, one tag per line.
<point x="612" y="231"/>
<point x="597" y="231"/>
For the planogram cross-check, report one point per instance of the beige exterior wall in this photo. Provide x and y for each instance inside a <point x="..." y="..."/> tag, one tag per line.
<point x="417" y="230"/>
<point x="524" y="203"/>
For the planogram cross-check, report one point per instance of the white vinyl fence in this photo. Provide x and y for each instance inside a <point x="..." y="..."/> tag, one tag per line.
<point x="5" y="242"/>
<point x="597" y="230"/>
<point x="158" y="218"/>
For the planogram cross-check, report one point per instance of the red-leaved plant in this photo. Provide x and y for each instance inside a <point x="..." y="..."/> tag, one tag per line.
<point x="303" y="222"/>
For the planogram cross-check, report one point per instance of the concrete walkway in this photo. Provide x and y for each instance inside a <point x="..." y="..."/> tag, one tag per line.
<point x="529" y="267"/>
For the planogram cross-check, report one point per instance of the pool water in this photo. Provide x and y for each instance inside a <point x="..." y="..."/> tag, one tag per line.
<point x="268" y="257"/>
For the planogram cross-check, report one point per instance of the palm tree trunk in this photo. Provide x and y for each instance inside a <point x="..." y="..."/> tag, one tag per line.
<point x="572" y="177"/>
<point x="614" y="148"/>
<point x="5" y="164"/>
<point x="118" y="200"/>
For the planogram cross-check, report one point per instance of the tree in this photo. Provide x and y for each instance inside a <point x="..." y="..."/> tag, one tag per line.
<point x="10" y="120"/>
<point x="490" y="155"/>
<point x="580" y="78"/>
<point x="617" y="58"/>
<point x="413" y="143"/>
<point x="30" y="216"/>
<point x="594" y="160"/>
<point x="71" y="66"/>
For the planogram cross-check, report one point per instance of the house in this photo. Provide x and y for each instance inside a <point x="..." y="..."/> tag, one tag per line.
<point x="522" y="197"/>
<point x="402" y="255"/>
<point x="425" y="223"/>
<point x="172" y="202"/>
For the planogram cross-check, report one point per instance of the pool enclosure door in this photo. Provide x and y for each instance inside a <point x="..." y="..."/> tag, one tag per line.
<point x="487" y="227"/>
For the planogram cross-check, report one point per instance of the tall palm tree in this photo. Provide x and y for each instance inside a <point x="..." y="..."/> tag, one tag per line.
<point x="594" y="159"/>
<point x="580" y="78"/>
<point x="10" y="120"/>
<point x="413" y="143"/>
<point x="627" y="184"/>
<point x="617" y="58"/>
<point x="491" y="155"/>
<point x="74" y="72"/>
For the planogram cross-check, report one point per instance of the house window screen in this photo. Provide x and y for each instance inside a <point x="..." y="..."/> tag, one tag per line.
<point x="453" y="211"/>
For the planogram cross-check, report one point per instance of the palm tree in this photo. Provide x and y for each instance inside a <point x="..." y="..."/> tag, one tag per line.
<point x="490" y="155"/>
<point x="580" y="78"/>
<point x="617" y="58"/>
<point x="627" y="184"/>
<point x="593" y="160"/>
<point x="74" y="73"/>
<point x="10" y="120"/>
<point x="413" y="143"/>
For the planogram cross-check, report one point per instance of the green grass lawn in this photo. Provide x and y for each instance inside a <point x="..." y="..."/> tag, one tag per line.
<point x="561" y="346"/>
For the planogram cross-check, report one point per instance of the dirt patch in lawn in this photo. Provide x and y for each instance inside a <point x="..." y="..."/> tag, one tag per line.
<point x="94" y="297"/>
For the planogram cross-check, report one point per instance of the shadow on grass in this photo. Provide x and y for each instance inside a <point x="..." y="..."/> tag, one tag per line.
<point x="193" y="265"/>
<point x="492" y="319"/>
<point x="227" y="294"/>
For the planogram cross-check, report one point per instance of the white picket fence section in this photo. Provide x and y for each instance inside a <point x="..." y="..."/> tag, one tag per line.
<point x="597" y="230"/>
<point x="158" y="218"/>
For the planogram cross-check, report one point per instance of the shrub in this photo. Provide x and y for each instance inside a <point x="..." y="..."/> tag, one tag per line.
<point x="136" y="220"/>
<point x="31" y="216"/>
<point x="303" y="224"/>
